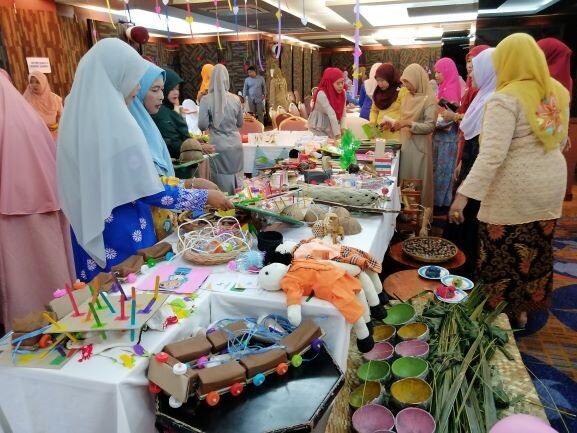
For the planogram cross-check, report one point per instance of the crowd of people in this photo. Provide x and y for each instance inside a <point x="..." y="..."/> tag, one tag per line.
<point x="101" y="169"/>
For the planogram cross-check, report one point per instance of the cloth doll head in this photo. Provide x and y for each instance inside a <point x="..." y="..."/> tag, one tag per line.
<point x="270" y="276"/>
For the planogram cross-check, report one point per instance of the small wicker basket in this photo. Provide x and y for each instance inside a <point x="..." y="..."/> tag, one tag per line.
<point x="430" y="249"/>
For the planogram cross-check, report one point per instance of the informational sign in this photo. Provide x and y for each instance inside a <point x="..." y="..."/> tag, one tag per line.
<point x="40" y="64"/>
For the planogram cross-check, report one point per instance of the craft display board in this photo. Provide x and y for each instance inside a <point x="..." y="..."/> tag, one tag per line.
<point x="175" y="279"/>
<point x="49" y="358"/>
<point x="274" y="206"/>
<point x="110" y="321"/>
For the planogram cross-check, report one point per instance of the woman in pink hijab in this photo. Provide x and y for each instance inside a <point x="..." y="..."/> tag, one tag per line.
<point x="45" y="102"/>
<point x="446" y="136"/>
<point x="35" y="254"/>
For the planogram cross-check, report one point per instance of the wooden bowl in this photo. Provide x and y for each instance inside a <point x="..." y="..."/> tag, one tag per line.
<point x="430" y="249"/>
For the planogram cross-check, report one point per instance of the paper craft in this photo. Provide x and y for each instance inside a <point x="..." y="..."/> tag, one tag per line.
<point x="53" y="357"/>
<point x="371" y="131"/>
<point x="175" y="279"/>
<point x="107" y="320"/>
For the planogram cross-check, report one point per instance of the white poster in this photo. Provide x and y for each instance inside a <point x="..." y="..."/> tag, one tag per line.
<point x="41" y="64"/>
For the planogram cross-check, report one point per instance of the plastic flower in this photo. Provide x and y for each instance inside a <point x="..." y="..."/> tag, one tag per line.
<point x="127" y="360"/>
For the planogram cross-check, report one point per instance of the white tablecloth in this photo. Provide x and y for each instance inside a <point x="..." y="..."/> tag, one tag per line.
<point x="99" y="396"/>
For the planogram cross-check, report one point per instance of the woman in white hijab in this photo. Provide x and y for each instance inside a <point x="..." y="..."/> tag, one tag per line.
<point x="221" y="113"/>
<point x="106" y="175"/>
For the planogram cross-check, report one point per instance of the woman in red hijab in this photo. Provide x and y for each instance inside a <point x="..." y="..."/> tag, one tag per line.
<point x="328" y="114"/>
<point x="35" y="250"/>
<point x="558" y="57"/>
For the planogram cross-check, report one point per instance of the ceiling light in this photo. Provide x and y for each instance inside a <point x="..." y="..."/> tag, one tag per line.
<point x="401" y="42"/>
<point x="152" y="20"/>
<point x="398" y="15"/>
<point x="403" y="32"/>
<point x="519" y="7"/>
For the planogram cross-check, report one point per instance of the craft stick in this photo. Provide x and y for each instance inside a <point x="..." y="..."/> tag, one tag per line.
<point x="133" y="317"/>
<point x="73" y="302"/>
<point x="59" y="326"/>
<point x="51" y="347"/>
<point x="96" y="318"/>
<point x="107" y="301"/>
<point x="94" y="298"/>
<point x="134" y="293"/>
<point x="98" y="288"/>
<point x="123" y="315"/>
<point x="156" y="286"/>
<point x="148" y="307"/>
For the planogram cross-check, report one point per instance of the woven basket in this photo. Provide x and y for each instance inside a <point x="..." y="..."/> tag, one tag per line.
<point x="429" y="249"/>
<point x="209" y="259"/>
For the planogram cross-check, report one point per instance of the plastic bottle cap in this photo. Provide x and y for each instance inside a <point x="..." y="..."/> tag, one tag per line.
<point x="236" y="389"/>
<point x="169" y="256"/>
<point x="174" y="403"/>
<point x="144" y="269"/>
<point x="282" y="368"/>
<point x="153" y="388"/>
<point x="258" y="379"/>
<point x="212" y="398"/>
<point x="161" y="357"/>
<point x="201" y="362"/>
<point x="179" y="369"/>
<point x="59" y="293"/>
<point x="131" y="278"/>
<point x="151" y="262"/>
<point x="296" y="360"/>
<point x="78" y="285"/>
<point x="316" y="344"/>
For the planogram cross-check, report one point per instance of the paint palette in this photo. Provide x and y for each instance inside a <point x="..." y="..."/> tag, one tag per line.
<point x="113" y="314"/>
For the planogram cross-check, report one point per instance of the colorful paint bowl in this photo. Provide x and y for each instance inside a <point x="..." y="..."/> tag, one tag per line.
<point x="378" y="371"/>
<point x="372" y="417"/>
<point x="400" y="314"/>
<point x="381" y="352"/>
<point x="384" y="333"/>
<point x="410" y="367"/>
<point x="411" y="392"/>
<point x="414" y="331"/>
<point x="414" y="419"/>
<point x="367" y="392"/>
<point x="417" y="348"/>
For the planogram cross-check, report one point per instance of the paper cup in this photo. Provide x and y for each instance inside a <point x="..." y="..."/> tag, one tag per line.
<point x="372" y="417"/>
<point x="381" y="352"/>
<point x="410" y="367"/>
<point x="366" y="393"/>
<point x="417" y="348"/>
<point x="414" y="331"/>
<point x="411" y="392"/>
<point x="414" y="419"/>
<point x="384" y="333"/>
<point x="377" y="371"/>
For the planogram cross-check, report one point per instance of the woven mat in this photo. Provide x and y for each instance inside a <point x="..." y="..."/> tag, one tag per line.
<point x="515" y="378"/>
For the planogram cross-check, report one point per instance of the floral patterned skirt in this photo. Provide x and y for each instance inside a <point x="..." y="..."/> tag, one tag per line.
<point x="515" y="264"/>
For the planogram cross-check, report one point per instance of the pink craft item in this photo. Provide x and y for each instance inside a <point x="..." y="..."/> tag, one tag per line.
<point x="372" y="417"/>
<point x="414" y="419"/>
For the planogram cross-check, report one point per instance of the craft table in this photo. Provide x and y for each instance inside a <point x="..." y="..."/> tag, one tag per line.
<point x="284" y="142"/>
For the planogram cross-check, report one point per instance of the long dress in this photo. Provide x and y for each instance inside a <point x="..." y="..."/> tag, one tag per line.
<point x="417" y="153"/>
<point x="445" y="147"/>
<point x="227" y="168"/>
<point x="130" y="228"/>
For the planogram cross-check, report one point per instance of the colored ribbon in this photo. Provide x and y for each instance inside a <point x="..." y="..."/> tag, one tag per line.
<point x="258" y="38"/>
<point x="279" y="18"/>
<point x="110" y="14"/>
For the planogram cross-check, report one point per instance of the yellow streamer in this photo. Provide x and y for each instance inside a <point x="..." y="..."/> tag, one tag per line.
<point x="110" y="14"/>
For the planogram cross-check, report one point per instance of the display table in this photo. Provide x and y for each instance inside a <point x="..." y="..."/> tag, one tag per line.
<point x="284" y="141"/>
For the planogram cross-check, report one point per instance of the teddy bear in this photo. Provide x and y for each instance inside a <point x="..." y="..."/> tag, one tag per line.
<point x="327" y="282"/>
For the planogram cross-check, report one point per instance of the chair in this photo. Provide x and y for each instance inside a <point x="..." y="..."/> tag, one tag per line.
<point x="293" y="109"/>
<point x="280" y="118"/>
<point x="355" y="124"/>
<point x="297" y="96"/>
<point x="313" y="90"/>
<point x="308" y="105"/>
<point x="192" y="117"/>
<point x="303" y="111"/>
<point x="291" y="97"/>
<point x="251" y="125"/>
<point x="294" y="124"/>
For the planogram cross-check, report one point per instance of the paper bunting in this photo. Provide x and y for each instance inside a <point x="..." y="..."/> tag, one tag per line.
<point x="157" y="8"/>
<point x="188" y="18"/>
<point x="217" y="23"/>
<point x="357" y="51"/>
<point x="279" y="18"/>
<point x="165" y="2"/>
<point x="359" y="25"/>
<point x="128" y="10"/>
<point x="229" y="6"/>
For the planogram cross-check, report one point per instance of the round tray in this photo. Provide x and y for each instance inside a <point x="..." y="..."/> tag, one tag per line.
<point x="430" y="249"/>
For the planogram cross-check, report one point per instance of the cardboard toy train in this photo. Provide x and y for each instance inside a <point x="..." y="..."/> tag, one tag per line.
<point x="181" y="369"/>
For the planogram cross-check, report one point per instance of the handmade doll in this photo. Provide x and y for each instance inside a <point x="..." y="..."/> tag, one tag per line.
<point x="327" y="282"/>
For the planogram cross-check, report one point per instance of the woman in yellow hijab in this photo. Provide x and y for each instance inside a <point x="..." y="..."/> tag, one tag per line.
<point x="205" y="74"/>
<point x="519" y="177"/>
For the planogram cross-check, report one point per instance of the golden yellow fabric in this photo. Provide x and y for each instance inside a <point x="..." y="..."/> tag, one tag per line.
<point x="522" y="72"/>
<point x="205" y="74"/>
<point x="393" y="111"/>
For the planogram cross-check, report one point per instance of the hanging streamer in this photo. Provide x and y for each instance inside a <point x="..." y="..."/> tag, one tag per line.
<point x="189" y="17"/>
<point x="157" y="9"/>
<point x="229" y="6"/>
<point x="217" y="25"/>
<point x="110" y="14"/>
<point x="357" y="52"/>
<point x="128" y="10"/>
<point x="261" y="67"/>
<point x="246" y="26"/>
<point x="304" y="19"/>
<point x="165" y="2"/>
<point x="279" y="41"/>
<point x="235" y="12"/>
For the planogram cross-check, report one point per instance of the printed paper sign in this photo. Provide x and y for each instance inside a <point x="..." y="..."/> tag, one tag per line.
<point x="40" y="64"/>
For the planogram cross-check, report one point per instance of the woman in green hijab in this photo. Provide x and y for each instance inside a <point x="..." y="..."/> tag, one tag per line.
<point x="172" y="125"/>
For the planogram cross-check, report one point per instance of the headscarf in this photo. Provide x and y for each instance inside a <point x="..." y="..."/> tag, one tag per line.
<point x="544" y="100"/>
<point x="471" y="91"/>
<point x="371" y="83"/>
<point x="450" y="88"/>
<point x="46" y="103"/>
<point x="102" y="157"/>
<point x="413" y="104"/>
<point x="156" y="144"/>
<point x="558" y="57"/>
<point x="219" y="85"/>
<point x="27" y="157"/>
<point x="383" y="99"/>
<point x="205" y="74"/>
<point x="486" y="80"/>
<point x="172" y="80"/>
<point x="337" y="100"/>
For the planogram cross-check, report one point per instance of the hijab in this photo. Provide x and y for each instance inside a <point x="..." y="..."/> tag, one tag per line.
<point x="471" y="90"/>
<point x="414" y="104"/>
<point x="156" y="144"/>
<point x="371" y="83"/>
<point x="450" y="88"/>
<point x="544" y="100"/>
<point x="171" y="81"/>
<point x="27" y="157"/>
<point x="205" y="74"/>
<point x="558" y="57"/>
<point x="336" y="100"/>
<point x="486" y="80"/>
<point x="103" y="159"/>
<point x="46" y="103"/>
<point x="169" y="121"/>
<point x="219" y="85"/>
<point x="383" y="99"/>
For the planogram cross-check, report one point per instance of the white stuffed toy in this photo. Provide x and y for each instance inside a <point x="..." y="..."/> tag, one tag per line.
<point x="327" y="282"/>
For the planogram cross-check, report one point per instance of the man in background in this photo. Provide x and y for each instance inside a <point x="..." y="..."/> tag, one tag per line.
<point x="254" y="91"/>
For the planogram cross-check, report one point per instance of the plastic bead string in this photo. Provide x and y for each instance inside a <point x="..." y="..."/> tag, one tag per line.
<point x="210" y="238"/>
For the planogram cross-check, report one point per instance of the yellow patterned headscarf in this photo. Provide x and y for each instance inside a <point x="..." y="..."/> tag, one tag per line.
<point x="522" y="72"/>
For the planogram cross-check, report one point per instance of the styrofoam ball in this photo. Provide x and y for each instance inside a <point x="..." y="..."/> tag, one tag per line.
<point x="137" y="34"/>
<point x="522" y="423"/>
